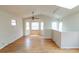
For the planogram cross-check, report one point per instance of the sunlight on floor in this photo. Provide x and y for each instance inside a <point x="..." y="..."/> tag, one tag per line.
<point x="28" y="42"/>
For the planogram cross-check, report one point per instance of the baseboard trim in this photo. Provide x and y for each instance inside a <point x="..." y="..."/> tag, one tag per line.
<point x="70" y="48"/>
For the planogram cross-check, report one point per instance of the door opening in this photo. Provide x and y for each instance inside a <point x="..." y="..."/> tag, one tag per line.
<point x="34" y="28"/>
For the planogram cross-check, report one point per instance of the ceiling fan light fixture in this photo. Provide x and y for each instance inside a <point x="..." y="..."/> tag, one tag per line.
<point x="33" y="18"/>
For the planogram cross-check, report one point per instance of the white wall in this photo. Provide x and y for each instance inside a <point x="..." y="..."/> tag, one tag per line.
<point x="9" y="33"/>
<point x="71" y="22"/>
<point x="69" y="36"/>
<point x="56" y="37"/>
<point x="47" y="33"/>
<point x="66" y="39"/>
<point x="70" y="40"/>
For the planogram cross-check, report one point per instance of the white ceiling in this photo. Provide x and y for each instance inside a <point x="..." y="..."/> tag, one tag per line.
<point x="26" y="10"/>
<point x="63" y="3"/>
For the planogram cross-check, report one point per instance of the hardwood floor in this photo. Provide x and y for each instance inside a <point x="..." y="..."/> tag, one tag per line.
<point x="35" y="44"/>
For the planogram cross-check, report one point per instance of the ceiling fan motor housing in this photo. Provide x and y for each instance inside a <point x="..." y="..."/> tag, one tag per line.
<point x="32" y="18"/>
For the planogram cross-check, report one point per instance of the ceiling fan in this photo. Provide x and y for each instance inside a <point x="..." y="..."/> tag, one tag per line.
<point x="33" y="17"/>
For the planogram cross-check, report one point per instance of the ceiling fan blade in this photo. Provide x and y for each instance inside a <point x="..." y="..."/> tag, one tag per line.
<point x="28" y="18"/>
<point x="32" y="17"/>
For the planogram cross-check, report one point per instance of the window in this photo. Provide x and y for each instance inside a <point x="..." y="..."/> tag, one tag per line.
<point x="42" y="25"/>
<point x="54" y="25"/>
<point x="13" y="22"/>
<point x="27" y="26"/>
<point x="60" y="26"/>
<point x="35" y="25"/>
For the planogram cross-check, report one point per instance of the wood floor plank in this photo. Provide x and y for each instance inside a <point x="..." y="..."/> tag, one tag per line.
<point x="35" y="44"/>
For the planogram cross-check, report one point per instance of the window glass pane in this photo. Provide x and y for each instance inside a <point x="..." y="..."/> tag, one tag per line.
<point x="54" y="25"/>
<point x="35" y="25"/>
<point x="13" y="22"/>
<point x="27" y="26"/>
<point x="42" y="25"/>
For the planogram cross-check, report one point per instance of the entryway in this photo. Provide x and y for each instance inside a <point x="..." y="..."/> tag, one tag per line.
<point x="33" y="28"/>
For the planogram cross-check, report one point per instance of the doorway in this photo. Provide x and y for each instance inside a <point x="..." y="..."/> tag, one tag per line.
<point x="34" y="28"/>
